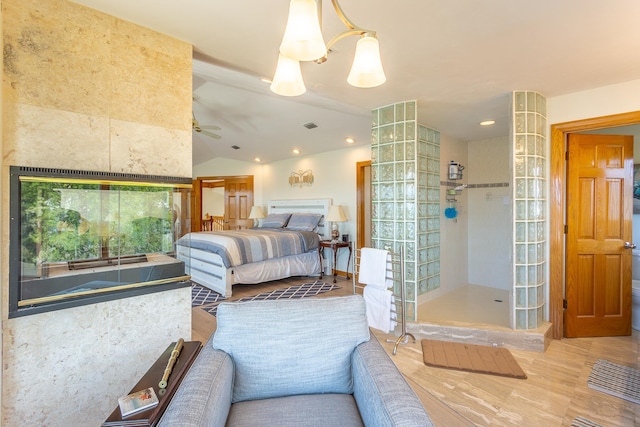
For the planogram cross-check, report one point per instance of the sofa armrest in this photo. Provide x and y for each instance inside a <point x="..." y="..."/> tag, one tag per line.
<point x="383" y="396"/>
<point x="204" y="396"/>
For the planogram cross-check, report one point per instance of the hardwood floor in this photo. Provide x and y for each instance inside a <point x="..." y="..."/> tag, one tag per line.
<point x="554" y="393"/>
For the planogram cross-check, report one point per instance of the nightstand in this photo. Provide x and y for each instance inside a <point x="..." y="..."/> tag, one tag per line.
<point x="335" y="246"/>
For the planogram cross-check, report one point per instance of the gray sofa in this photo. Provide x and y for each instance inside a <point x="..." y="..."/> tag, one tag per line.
<point x="306" y="362"/>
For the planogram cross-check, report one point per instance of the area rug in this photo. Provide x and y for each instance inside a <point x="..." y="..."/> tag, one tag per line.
<point x="583" y="422"/>
<point x="293" y="292"/>
<point x="471" y="358"/>
<point x="201" y="295"/>
<point x="616" y="380"/>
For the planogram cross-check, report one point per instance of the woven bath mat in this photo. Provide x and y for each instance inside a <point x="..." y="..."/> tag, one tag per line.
<point x="471" y="358"/>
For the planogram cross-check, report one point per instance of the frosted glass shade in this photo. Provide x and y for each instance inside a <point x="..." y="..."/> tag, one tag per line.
<point x="287" y="80"/>
<point x="302" y="38"/>
<point x="366" y="70"/>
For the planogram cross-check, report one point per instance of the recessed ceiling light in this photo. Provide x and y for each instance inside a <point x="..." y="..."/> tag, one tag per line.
<point x="488" y="123"/>
<point x="349" y="140"/>
<point x="257" y="159"/>
<point x="296" y="151"/>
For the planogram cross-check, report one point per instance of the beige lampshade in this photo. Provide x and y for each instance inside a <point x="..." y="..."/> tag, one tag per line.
<point x="303" y="37"/>
<point x="336" y="214"/>
<point x="366" y="70"/>
<point x="287" y="80"/>
<point x="256" y="213"/>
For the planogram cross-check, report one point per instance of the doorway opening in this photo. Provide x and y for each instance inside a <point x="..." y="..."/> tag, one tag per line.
<point x="227" y="200"/>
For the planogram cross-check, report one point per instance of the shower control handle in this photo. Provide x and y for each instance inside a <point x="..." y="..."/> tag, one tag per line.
<point x="629" y="245"/>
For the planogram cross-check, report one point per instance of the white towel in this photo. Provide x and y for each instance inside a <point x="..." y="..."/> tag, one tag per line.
<point x="379" y="303"/>
<point x="373" y="268"/>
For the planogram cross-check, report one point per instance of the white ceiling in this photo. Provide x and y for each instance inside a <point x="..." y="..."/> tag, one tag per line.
<point x="459" y="59"/>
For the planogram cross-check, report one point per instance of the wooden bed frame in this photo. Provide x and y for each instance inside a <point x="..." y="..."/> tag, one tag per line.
<point x="208" y="269"/>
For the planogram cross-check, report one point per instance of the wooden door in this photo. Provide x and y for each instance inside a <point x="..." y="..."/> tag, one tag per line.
<point x="238" y="199"/>
<point x="599" y="215"/>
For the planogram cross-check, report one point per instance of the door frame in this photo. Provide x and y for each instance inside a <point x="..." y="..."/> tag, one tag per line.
<point x="557" y="204"/>
<point x="360" y="200"/>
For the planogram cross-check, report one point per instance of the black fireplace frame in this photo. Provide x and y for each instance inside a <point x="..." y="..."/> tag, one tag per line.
<point x="132" y="281"/>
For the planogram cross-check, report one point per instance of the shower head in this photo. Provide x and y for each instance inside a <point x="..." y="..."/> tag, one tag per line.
<point x="460" y="187"/>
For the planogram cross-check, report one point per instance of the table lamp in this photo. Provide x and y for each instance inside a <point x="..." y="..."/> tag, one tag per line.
<point x="256" y="213"/>
<point x="336" y="215"/>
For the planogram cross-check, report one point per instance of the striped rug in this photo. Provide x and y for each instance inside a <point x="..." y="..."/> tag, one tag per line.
<point x="293" y="292"/>
<point x="616" y="380"/>
<point x="583" y="422"/>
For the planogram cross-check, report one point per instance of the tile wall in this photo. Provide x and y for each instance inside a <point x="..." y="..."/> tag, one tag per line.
<point x="71" y="98"/>
<point x="530" y="174"/>
<point x="405" y="175"/>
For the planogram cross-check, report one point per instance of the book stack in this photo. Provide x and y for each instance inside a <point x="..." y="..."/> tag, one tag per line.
<point x="137" y="402"/>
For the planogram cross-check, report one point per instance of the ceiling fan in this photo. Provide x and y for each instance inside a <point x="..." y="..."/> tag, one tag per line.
<point x="195" y="125"/>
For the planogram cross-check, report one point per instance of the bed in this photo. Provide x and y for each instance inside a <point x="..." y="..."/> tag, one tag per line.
<point x="285" y="245"/>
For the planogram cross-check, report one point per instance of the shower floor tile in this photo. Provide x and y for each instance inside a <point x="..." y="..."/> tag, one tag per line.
<point x="468" y="304"/>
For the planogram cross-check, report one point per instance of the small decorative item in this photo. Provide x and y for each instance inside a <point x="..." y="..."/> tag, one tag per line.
<point x="450" y="213"/>
<point x="301" y="178"/>
<point x="336" y="215"/>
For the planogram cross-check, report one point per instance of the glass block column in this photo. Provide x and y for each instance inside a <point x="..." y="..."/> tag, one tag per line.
<point x="529" y="138"/>
<point x="405" y="195"/>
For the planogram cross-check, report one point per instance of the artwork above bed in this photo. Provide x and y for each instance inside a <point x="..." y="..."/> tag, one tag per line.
<point x="220" y="259"/>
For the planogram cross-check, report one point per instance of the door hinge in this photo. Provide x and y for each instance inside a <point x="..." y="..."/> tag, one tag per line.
<point x="564" y="303"/>
<point x="566" y="229"/>
<point x="566" y="155"/>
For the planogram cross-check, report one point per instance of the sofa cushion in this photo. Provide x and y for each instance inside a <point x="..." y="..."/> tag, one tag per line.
<point x="308" y="410"/>
<point x="319" y="334"/>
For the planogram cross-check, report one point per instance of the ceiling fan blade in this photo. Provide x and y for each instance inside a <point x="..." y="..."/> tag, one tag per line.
<point x="211" y="134"/>
<point x="214" y="127"/>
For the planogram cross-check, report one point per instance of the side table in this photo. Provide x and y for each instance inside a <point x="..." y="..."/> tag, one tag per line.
<point x="335" y="246"/>
<point x="151" y="416"/>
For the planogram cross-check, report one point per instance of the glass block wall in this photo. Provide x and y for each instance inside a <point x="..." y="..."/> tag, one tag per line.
<point x="529" y="126"/>
<point x="405" y="180"/>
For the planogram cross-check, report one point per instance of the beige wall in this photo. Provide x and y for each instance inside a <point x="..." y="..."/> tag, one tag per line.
<point x="489" y="219"/>
<point x="453" y="232"/>
<point x="84" y="90"/>
<point x="334" y="175"/>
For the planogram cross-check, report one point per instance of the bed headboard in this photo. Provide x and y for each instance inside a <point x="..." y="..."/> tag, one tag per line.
<point x="320" y="206"/>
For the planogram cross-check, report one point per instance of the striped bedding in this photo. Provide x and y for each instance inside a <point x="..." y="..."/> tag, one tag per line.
<point x="238" y="247"/>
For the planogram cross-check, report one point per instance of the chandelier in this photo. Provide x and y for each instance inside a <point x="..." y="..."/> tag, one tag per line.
<point x="303" y="41"/>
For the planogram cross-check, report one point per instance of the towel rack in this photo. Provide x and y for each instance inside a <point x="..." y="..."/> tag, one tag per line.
<point x="395" y="272"/>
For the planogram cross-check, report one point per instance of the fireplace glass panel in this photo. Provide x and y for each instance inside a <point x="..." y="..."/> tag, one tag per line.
<point x="77" y="234"/>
